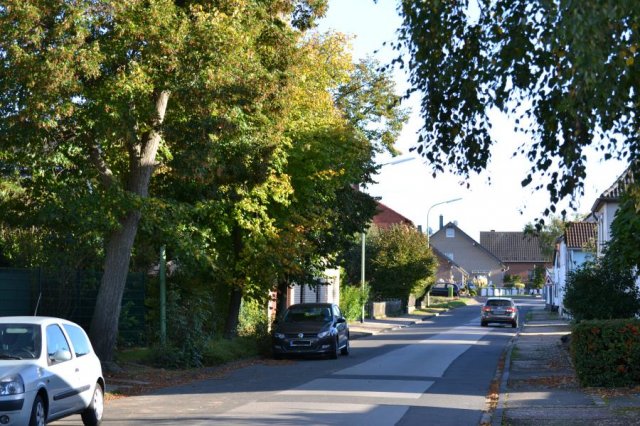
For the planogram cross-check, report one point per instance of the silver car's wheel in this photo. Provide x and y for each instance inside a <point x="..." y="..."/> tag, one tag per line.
<point x="38" y="412"/>
<point x="92" y="415"/>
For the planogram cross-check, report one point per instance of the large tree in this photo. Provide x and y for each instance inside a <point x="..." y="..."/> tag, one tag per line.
<point x="399" y="262"/>
<point x="89" y="89"/>
<point x="567" y="71"/>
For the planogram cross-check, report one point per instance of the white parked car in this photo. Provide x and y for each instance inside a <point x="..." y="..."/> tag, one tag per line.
<point x="48" y="370"/>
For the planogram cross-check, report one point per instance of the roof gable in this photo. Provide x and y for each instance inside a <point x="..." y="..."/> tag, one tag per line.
<point x="513" y="246"/>
<point x="467" y="238"/>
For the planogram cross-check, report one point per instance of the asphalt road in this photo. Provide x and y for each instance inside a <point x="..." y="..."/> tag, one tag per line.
<point x="437" y="372"/>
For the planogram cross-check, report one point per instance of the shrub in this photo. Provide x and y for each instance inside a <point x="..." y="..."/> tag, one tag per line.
<point x="607" y="353"/>
<point x="601" y="291"/>
<point x="220" y="351"/>
<point x="352" y="298"/>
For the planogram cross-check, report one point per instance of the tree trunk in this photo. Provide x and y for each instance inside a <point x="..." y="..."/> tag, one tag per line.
<point x="281" y="302"/>
<point x="104" y="324"/>
<point x="231" y="326"/>
<point x="142" y="154"/>
<point x="235" y="300"/>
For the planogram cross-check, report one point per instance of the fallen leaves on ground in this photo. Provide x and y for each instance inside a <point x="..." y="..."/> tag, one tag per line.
<point x="605" y="393"/>
<point x="137" y="379"/>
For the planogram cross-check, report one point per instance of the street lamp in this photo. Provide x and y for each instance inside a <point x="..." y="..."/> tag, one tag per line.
<point x="429" y="211"/>
<point x="363" y="237"/>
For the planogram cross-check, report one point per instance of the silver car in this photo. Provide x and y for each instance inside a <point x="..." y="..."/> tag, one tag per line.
<point x="501" y="310"/>
<point x="48" y="370"/>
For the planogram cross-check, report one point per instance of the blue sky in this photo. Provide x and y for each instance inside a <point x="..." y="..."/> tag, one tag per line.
<point x="495" y="199"/>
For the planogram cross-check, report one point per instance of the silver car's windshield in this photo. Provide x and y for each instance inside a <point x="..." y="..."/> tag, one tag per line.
<point x="20" y="341"/>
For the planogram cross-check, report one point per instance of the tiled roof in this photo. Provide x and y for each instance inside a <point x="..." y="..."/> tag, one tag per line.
<point x="513" y="246"/>
<point x="615" y="191"/>
<point x="580" y="234"/>
<point x="386" y="217"/>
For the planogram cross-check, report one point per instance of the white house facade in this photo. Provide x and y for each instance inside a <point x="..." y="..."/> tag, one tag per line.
<point x="573" y="249"/>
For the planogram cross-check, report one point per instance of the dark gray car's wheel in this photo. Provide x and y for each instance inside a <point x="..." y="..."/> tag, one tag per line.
<point x="92" y="415"/>
<point x="334" y="350"/>
<point x="38" y="412"/>
<point x="345" y="349"/>
<point x="483" y="323"/>
<point x="514" y="324"/>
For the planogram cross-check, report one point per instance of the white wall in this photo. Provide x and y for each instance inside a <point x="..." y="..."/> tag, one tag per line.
<point x="322" y="294"/>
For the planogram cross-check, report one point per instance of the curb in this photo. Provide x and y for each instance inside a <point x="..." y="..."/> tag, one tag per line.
<point x="494" y="417"/>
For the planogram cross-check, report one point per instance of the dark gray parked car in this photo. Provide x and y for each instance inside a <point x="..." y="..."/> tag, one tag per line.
<point x="311" y="328"/>
<point x="500" y="310"/>
<point x="442" y="289"/>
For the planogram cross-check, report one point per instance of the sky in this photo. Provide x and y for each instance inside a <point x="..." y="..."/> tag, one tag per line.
<point x="495" y="199"/>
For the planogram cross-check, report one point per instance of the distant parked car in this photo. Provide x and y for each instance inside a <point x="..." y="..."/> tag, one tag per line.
<point x="48" y="370"/>
<point x="311" y="328"/>
<point x="442" y="289"/>
<point x="500" y="310"/>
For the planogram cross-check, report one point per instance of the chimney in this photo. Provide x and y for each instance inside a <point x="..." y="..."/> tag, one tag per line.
<point x="441" y="222"/>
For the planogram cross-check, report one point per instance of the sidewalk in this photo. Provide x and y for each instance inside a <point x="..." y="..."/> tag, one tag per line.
<point x="539" y="386"/>
<point x="374" y="326"/>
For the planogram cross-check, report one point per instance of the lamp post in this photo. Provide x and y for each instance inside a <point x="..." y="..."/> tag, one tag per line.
<point x="363" y="237"/>
<point x="429" y="211"/>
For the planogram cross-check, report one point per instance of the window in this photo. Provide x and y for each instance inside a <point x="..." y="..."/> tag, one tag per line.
<point x="451" y="233"/>
<point x="336" y="312"/>
<point x="79" y="340"/>
<point x="56" y="342"/>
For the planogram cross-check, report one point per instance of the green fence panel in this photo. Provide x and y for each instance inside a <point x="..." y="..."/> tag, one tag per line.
<point x="72" y="296"/>
<point x="15" y="292"/>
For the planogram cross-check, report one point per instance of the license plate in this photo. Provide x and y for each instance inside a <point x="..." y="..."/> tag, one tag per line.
<point x="300" y="343"/>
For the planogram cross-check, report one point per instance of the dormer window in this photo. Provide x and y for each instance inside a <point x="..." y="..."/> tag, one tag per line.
<point x="451" y="233"/>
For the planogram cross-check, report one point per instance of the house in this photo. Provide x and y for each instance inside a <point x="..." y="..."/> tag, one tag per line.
<point x="520" y="252"/>
<point x="448" y="270"/>
<point x="605" y="207"/>
<point x="575" y="247"/>
<point x="470" y="255"/>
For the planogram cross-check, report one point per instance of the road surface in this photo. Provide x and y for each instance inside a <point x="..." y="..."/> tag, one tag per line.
<point x="437" y="372"/>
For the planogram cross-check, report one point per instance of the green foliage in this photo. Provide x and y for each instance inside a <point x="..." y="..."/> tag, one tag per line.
<point x="528" y="59"/>
<point x="220" y="351"/>
<point x="400" y="263"/>
<point x="601" y="291"/>
<point x="539" y="277"/>
<point x="607" y="353"/>
<point x="513" y="281"/>
<point x="352" y="299"/>
<point x="253" y="319"/>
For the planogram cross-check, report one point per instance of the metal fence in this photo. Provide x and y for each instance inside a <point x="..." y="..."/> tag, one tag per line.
<point x="71" y="296"/>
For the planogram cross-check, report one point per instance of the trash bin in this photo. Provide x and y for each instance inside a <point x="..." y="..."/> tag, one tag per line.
<point x="450" y="288"/>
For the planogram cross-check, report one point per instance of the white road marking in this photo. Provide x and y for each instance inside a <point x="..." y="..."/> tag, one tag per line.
<point x="367" y="388"/>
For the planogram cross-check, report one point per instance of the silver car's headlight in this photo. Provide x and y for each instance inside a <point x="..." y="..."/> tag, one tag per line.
<point x="278" y="335"/>
<point x="11" y="385"/>
<point x="324" y="334"/>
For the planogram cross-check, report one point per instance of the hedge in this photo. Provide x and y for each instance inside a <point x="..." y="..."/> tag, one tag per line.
<point x="606" y="353"/>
